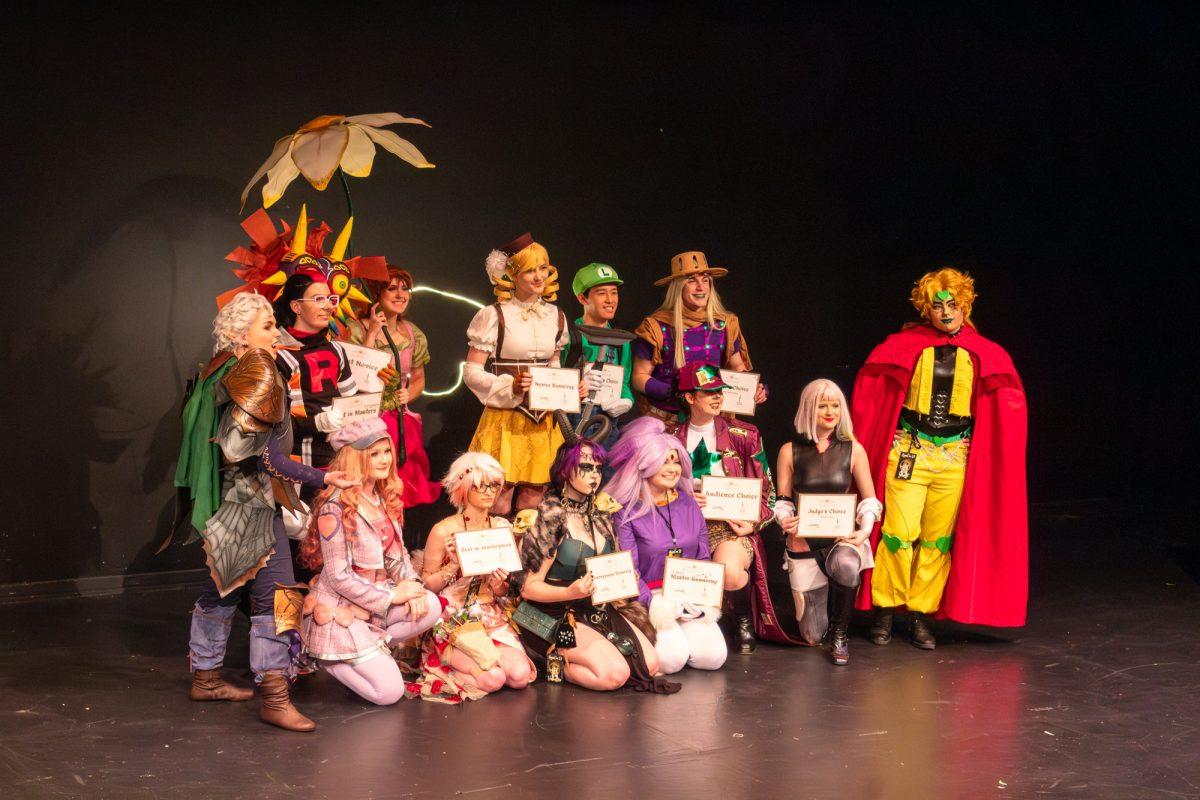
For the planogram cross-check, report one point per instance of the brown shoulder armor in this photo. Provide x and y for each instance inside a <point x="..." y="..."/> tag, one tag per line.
<point x="257" y="391"/>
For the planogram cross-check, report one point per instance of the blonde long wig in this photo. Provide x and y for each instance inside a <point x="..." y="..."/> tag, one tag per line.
<point x="673" y="305"/>
<point x="806" y="411"/>
<point x="357" y="465"/>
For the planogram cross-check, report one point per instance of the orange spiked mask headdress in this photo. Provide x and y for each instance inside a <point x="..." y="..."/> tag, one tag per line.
<point x="274" y="256"/>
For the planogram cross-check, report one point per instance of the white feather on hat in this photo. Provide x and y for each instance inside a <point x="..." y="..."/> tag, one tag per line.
<point x="495" y="265"/>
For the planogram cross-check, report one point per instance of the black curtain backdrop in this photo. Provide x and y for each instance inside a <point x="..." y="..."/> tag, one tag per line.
<point x="827" y="159"/>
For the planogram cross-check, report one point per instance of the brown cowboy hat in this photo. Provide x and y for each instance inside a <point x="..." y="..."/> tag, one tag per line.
<point x="685" y="265"/>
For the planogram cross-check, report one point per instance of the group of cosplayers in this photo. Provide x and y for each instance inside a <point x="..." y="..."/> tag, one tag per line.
<point x="910" y="498"/>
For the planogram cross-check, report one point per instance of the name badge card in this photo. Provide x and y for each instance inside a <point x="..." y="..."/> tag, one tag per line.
<point x="613" y="377"/>
<point x="613" y="576"/>
<point x="687" y="580"/>
<point x="737" y="499"/>
<point x="358" y="406"/>
<point x="481" y="552"/>
<point x="365" y="364"/>
<point x="554" y="389"/>
<point x="738" y="396"/>
<point x="828" y="516"/>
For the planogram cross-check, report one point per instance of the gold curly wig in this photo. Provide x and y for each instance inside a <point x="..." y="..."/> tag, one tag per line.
<point x="948" y="279"/>
<point x="534" y="255"/>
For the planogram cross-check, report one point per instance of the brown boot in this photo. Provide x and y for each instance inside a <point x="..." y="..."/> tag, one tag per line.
<point x="277" y="708"/>
<point x="207" y="684"/>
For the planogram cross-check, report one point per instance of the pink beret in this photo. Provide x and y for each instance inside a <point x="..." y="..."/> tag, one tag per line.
<point x="359" y="434"/>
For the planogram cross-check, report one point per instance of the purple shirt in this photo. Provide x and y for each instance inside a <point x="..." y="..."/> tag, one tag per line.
<point x="699" y="344"/>
<point x="649" y="538"/>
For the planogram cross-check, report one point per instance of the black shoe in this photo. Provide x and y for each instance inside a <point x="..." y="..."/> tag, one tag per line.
<point x="841" y="600"/>
<point x="744" y="635"/>
<point x="922" y="636"/>
<point x="881" y="626"/>
<point x="839" y="646"/>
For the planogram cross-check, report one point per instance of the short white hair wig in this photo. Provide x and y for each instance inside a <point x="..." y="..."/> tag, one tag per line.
<point x="470" y="470"/>
<point x="236" y="318"/>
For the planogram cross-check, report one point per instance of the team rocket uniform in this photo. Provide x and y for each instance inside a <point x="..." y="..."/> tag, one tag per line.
<point x="943" y="421"/>
<point x="315" y="374"/>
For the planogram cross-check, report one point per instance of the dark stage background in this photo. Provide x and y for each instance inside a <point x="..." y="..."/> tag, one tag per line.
<point x="826" y="159"/>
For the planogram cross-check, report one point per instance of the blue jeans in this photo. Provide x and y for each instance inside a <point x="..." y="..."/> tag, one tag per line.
<point x="212" y="616"/>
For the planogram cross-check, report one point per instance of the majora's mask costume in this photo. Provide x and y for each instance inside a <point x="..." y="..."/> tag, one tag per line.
<point x="272" y="259"/>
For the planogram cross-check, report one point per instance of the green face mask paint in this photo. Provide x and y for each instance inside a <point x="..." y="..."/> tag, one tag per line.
<point x="943" y="295"/>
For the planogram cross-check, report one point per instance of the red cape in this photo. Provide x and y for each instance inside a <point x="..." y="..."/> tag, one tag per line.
<point x="989" y="567"/>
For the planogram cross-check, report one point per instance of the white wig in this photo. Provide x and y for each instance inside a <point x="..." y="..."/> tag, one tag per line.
<point x="235" y="319"/>
<point x="806" y="412"/>
<point x="470" y="470"/>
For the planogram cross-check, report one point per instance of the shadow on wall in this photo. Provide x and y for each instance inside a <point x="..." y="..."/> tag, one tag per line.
<point x="103" y="388"/>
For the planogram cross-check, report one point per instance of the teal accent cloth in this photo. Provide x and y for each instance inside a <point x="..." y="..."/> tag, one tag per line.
<point x="199" y="469"/>
<point x="621" y="357"/>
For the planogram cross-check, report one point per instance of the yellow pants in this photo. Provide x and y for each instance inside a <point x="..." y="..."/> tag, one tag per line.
<point x="912" y="560"/>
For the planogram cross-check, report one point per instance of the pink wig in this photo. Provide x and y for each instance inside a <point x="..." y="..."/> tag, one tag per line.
<point x="638" y="456"/>
<point x="470" y="470"/>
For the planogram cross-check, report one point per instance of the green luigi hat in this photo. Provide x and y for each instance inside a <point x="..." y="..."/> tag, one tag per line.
<point x="696" y="376"/>
<point x="594" y="275"/>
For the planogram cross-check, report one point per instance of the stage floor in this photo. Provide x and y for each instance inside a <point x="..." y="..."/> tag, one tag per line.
<point x="1095" y="698"/>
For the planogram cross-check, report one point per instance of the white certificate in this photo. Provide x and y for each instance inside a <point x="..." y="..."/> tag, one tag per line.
<point x="700" y="583"/>
<point x="365" y="364"/>
<point x="480" y="552"/>
<point x="732" y="498"/>
<point x="826" y="515"/>
<point x="613" y="577"/>
<point x="358" y="406"/>
<point x="554" y="389"/>
<point x="738" y="396"/>
<point x="613" y="379"/>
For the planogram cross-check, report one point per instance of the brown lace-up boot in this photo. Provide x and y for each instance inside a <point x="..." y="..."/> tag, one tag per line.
<point x="207" y="684"/>
<point x="277" y="708"/>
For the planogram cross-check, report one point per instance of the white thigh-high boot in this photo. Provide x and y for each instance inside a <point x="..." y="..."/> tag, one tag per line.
<point x="670" y="644"/>
<point x="673" y="649"/>
<point x="706" y="642"/>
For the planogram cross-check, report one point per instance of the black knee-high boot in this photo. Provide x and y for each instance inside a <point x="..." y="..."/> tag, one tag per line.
<point x="743" y="632"/>
<point x="841" y="600"/>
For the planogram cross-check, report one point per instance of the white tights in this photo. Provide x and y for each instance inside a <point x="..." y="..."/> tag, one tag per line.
<point x="378" y="680"/>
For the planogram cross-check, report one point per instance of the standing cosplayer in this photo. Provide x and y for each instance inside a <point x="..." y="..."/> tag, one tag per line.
<point x="691" y="325"/>
<point x="824" y="458"/>
<point x="661" y="519"/>
<point x="941" y="413"/>
<point x="722" y="448"/>
<point x="405" y="380"/>
<point x="367" y="592"/>
<point x="521" y="329"/>
<point x="600" y="647"/>
<point x="242" y="403"/>
<point x="595" y="287"/>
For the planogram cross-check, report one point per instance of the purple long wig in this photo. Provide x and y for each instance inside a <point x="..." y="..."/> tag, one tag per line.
<point x="638" y="455"/>
<point x="567" y="459"/>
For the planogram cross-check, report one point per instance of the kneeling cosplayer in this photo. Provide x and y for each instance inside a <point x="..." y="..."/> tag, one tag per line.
<point x="367" y="593"/>
<point x="600" y="647"/>
<point x="661" y="519"/>
<point x="824" y="458"/>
